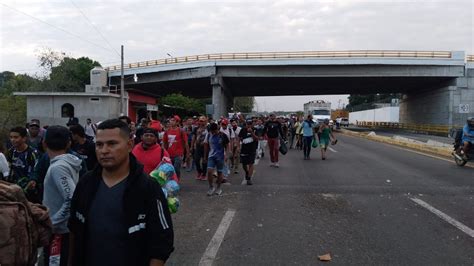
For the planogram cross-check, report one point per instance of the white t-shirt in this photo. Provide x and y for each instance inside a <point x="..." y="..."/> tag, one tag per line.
<point x="230" y="133"/>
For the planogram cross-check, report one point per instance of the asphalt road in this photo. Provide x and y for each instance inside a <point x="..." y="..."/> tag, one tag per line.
<point x="358" y="206"/>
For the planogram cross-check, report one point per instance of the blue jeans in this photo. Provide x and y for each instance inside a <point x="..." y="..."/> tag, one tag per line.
<point x="215" y="163"/>
<point x="307" y="145"/>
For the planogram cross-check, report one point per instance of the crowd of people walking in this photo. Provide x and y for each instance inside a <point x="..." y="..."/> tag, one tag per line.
<point x="94" y="179"/>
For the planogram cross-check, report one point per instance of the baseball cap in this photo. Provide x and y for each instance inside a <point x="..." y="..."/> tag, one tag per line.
<point x="150" y="130"/>
<point x="224" y="121"/>
<point x="34" y="123"/>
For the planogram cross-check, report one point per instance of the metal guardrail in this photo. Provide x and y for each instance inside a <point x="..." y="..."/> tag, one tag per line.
<point x="435" y="129"/>
<point x="284" y="55"/>
<point x="470" y="58"/>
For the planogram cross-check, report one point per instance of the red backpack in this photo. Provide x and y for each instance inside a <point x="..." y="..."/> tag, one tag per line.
<point x="24" y="227"/>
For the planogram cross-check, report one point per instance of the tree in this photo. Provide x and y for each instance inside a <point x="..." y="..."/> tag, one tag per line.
<point x="5" y="76"/>
<point x="366" y="101"/>
<point x="244" y="104"/>
<point x="187" y="104"/>
<point x="13" y="108"/>
<point x="72" y="74"/>
<point x="48" y="58"/>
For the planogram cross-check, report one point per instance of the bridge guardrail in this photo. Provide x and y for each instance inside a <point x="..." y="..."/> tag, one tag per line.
<point x="442" y="130"/>
<point x="283" y="55"/>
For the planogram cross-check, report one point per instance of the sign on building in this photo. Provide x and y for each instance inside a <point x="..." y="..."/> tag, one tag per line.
<point x="464" y="108"/>
<point x="151" y="107"/>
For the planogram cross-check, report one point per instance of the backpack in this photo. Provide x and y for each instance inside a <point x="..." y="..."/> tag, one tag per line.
<point x="24" y="227"/>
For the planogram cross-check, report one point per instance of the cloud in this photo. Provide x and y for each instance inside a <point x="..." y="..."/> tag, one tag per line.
<point x="150" y="29"/>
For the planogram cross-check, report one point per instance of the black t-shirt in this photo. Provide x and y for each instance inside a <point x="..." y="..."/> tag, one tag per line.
<point x="107" y="232"/>
<point x="259" y="130"/>
<point x="249" y="145"/>
<point x="273" y="129"/>
<point x="86" y="152"/>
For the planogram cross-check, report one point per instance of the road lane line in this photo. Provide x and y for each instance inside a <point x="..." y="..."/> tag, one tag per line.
<point x="331" y="149"/>
<point x="209" y="255"/>
<point x="445" y="217"/>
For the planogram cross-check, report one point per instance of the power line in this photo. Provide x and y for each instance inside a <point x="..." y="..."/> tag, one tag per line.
<point x="56" y="27"/>
<point x="92" y="24"/>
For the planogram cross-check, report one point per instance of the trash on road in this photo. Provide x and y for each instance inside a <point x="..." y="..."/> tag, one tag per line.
<point x="260" y="225"/>
<point x="325" y="257"/>
<point x="388" y="181"/>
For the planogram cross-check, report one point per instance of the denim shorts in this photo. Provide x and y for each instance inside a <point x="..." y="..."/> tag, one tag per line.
<point x="215" y="163"/>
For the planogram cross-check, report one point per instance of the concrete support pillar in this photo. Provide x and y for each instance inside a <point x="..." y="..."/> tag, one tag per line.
<point x="439" y="105"/>
<point x="221" y="97"/>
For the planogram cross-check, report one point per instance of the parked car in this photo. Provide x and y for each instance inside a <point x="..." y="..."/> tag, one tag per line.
<point x="344" y="122"/>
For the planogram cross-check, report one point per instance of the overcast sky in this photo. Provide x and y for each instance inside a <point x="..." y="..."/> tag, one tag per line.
<point x="154" y="28"/>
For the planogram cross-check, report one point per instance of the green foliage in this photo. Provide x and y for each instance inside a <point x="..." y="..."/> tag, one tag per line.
<point x="5" y="77"/>
<point x="356" y="100"/>
<point x="21" y="82"/>
<point x="13" y="108"/>
<point x="72" y="74"/>
<point x="177" y="100"/>
<point x="244" y="104"/>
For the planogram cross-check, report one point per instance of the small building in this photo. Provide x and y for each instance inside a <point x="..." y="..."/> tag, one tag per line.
<point x="98" y="103"/>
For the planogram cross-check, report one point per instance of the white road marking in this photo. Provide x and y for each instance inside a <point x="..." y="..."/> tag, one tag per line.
<point x="445" y="217"/>
<point x="209" y="255"/>
<point x="331" y="149"/>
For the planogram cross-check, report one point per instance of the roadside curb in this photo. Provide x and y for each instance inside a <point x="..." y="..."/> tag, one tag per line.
<point x="446" y="152"/>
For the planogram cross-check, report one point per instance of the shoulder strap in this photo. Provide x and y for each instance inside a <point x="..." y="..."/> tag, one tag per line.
<point x="162" y="153"/>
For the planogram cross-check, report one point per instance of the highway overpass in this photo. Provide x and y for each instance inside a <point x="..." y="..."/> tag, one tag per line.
<point x="434" y="83"/>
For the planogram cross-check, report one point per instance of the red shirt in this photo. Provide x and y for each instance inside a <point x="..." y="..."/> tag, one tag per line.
<point x="175" y="139"/>
<point x="150" y="158"/>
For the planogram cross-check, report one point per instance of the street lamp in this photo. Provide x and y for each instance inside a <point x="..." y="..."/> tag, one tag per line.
<point x="375" y="107"/>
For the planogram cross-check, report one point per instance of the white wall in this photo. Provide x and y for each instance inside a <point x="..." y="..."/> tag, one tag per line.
<point x="384" y="114"/>
<point x="48" y="108"/>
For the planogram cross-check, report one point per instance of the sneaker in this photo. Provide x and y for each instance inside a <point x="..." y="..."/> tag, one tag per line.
<point x="198" y="177"/>
<point x="218" y="191"/>
<point x="249" y="182"/>
<point x="272" y="164"/>
<point x="210" y="192"/>
<point x="277" y="165"/>
<point x="203" y="178"/>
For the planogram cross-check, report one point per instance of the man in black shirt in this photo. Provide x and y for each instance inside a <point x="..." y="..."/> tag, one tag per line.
<point x="83" y="146"/>
<point x="119" y="215"/>
<point x="248" y="150"/>
<point x="273" y="130"/>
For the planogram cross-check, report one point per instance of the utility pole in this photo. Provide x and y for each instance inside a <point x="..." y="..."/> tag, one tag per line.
<point x="122" y="87"/>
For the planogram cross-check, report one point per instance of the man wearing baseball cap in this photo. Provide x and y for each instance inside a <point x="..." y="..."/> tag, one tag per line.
<point x="175" y="142"/>
<point x="148" y="152"/>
